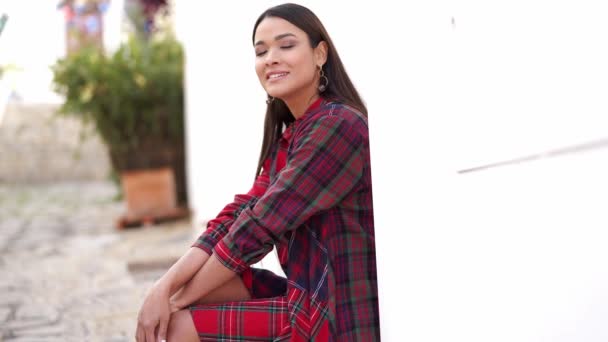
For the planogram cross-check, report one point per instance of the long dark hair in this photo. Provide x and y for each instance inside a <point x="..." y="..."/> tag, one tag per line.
<point x="340" y="87"/>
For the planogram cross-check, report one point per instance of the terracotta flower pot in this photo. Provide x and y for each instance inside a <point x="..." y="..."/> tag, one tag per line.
<point x="149" y="194"/>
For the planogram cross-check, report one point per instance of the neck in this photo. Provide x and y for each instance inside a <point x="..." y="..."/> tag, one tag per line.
<point x="299" y="104"/>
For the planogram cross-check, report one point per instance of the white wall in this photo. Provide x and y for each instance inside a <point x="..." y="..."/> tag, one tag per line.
<point x="507" y="254"/>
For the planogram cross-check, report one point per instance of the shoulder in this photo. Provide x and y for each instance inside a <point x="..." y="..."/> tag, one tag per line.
<point x="338" y="115"/>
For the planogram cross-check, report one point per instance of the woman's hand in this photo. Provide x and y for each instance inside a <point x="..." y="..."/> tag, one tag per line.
<point x="174" y="307"/>
<point x="153" y="317"/>
<point x="174" y="302"/>
<point x="156" y="309"/>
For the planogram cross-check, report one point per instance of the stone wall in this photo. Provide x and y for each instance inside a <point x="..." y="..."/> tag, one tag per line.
<point x="38" y="146"/>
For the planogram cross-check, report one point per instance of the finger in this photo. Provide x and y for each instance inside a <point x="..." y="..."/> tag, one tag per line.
<point x="139" y="335"/>
<point x="162" y="328"/>
<point x="150" y="333"/>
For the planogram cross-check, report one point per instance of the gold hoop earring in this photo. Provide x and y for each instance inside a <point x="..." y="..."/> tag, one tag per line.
<point x="323" y="81"/>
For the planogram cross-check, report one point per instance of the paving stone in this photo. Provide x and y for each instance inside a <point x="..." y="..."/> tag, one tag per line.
<point x="52" y="330"/>
<point x="5" y="284"/>
<point x="74" y="283"/>
<point x="118" y="339"/>
<point x="27" y="324"/>
<point x="12" y="297"/>
<point x="36" y="311"/>
<point x="5" y="313"/>
<point x="35" y="339"/>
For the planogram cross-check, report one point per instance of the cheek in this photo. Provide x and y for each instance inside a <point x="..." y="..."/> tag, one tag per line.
<point x="304" y="64"/>
<point x="259" y="70"/>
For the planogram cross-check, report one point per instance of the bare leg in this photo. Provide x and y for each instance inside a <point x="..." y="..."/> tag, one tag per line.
<point x="233" y="290"/>
<point x="181" y="326"/>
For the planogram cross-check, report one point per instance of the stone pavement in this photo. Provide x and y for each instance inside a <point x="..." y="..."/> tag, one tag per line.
<point x="66" y="274"/>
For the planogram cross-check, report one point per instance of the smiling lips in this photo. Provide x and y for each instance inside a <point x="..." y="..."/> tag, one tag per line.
<point x="276" y="75"/>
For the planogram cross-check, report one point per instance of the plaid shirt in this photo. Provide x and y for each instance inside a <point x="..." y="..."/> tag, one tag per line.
<point x="313" y="201"/>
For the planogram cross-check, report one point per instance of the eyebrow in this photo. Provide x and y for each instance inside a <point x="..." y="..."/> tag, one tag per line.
<point x="279" y="37"/>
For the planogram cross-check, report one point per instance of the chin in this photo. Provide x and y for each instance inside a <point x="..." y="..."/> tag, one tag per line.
<point x="280" y="89"/>
<point x="278" y="94"/>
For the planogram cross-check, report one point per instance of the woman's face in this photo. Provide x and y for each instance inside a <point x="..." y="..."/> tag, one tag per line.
<point x="285" y="62"/>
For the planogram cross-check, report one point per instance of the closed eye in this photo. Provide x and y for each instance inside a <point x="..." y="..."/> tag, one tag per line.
<point x="262" y="53"/>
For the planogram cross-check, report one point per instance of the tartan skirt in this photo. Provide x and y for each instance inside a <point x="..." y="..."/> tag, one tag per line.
<point x="262" y="318"/>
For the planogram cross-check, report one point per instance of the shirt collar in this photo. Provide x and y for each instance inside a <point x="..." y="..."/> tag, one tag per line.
<point x="311" y="108"/>
<point x="315" y="105"/>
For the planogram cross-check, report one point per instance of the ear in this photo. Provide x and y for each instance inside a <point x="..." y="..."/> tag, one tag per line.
<point x="320" y="53"/>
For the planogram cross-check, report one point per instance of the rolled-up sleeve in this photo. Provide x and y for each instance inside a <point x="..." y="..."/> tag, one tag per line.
<point x="325" y="164"/>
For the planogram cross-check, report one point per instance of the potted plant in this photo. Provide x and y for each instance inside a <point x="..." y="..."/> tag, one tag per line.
<point x="134" y="99"/>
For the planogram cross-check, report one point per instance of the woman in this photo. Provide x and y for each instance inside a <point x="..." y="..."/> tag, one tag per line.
<point x="311" y="199"/>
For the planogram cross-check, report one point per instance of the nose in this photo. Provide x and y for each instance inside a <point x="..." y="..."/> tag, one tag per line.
<point x="271" y="57"/>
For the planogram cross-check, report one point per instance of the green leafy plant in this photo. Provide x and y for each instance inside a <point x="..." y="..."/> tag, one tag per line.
<point x="134" y="98"/>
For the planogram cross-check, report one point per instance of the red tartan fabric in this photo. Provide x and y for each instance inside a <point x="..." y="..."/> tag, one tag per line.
<point x="313" y="201"/>
<point x="254" y="320"/>
<point x="264" y="319"/>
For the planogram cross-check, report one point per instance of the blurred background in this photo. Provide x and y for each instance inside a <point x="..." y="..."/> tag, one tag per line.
<point x="126" y="124"/>
<point x="93" y="203"/>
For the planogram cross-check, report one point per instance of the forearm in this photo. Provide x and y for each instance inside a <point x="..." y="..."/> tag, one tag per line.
<point x="183" y="270"/>
<point x="212" y="275"/>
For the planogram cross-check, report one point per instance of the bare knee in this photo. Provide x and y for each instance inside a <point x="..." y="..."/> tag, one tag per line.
<point x="181" y="327"/>
<point x="233" y="291"/>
